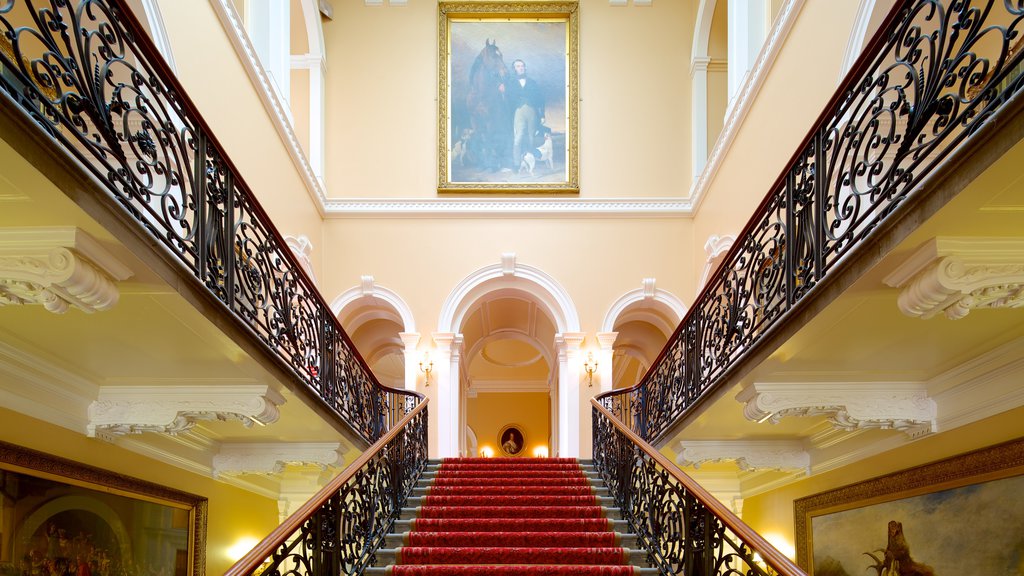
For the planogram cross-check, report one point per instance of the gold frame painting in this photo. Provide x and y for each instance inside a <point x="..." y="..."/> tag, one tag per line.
<point x="509" y="433"/>
<point x="961" y="515"/>
<point x="61" y="517"/>
<point x="508" y="91"/>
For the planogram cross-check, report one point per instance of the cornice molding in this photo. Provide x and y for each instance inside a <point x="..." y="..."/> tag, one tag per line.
<point x="58" y="268"/>
<point x="509" y="207"/>
<point x="848" y="406"/>
<point x="121" y="410"/>
<point x="752" y="455"/>
<point x="482" y="386"/>
<point x="953" y="276"/>
<point x="271" y="458"/>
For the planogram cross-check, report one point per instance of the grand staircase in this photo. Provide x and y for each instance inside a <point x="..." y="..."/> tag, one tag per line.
<point x="510" y="516"/>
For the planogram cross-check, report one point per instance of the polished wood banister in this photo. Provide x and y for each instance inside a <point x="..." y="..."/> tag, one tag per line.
<point x="772" y="557"/>
<point x="255" y="557"/>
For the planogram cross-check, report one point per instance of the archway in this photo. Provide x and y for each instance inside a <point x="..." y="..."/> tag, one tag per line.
<point x="641" y="322"/>
<point x="553" y="333"/>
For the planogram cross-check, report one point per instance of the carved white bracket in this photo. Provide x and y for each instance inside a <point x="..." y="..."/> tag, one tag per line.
<point x="848" y="406"/>
<point x="954" y="276"/>
<point x="57" y="268"/>
<point x="272" y="458"/>
<point x="748" y="455"/>
<point x="121" y="410"/>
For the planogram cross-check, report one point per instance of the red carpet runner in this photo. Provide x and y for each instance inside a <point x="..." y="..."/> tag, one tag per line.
<point x="511" y="516"/>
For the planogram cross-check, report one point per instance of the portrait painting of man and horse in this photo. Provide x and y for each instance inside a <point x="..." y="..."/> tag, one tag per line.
<point x="506" y="110"/>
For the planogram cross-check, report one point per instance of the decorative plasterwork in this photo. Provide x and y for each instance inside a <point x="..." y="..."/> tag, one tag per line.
<point x="271" y="458"/>
<point x="954" y="276"/>
<point x="58" y="268"/>
<point x="748" y="455"/>
<point x="509" y="386"/>
<point x="502" y="208"/>
<point x="121" y="410"/>
<point x="848" y="406"/>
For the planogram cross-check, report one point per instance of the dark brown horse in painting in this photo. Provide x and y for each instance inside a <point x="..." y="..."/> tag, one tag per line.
<point x="488" y="111"/>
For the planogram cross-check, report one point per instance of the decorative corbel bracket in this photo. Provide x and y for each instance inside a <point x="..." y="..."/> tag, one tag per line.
<point x="748" y="455"/>
<point x="121" y="410"/>
<point x="272" y="458"/>
<point x="58" y="268"/>
<point x="848" y="406"/>
<point x="956" y="275"/>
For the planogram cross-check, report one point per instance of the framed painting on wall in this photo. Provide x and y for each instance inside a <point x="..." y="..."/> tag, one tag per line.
<point x="962" y="515"/>
<point x="512" y="440"/>
<point x="58" y="517"/>
<point x="507" y="97"/>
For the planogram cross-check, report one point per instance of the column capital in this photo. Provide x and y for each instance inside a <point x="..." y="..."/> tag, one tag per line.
<point x="606" y="339"/>
<point x="570" y="341"/>
<point x="410" y="339"/>
<point x="443" y="340"/>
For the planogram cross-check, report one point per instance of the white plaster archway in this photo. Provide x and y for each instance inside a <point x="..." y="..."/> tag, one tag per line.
<point x="368" y="288"/>
<point x="471" y="443"/>
<point x="660" y="299"/>
<point x="158" y="32"/>
<point x="549" y="295"/>
<point x="716" y="247"/>
<point x="869" y="17"/>
<point x="668" y="311"/>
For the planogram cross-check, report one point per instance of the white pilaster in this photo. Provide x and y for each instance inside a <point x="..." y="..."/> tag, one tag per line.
<point x="568" y="344"/>
<point x="604" y="370"/>
<point x="412" y="358"/>
<point x="447" y="369"/>
<point x="747" y="32"/>
<point x="698" y="114"/>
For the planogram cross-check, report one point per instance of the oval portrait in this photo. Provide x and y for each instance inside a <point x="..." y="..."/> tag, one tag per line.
<point x="511" y="440"/>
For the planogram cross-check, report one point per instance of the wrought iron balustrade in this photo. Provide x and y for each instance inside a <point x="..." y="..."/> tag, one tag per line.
<point x="341" y="527"/>
<point x="683" y="528"/>
<point x="90" y="77"/>
<point x="935" y="72"/>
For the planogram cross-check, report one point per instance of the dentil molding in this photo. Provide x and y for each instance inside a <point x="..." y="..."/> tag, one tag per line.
<point x="271" y="458"/>
<point x="748" y="455"/>
<point x="121" y="410"/>
<point x="848" y="405"/>
<point x="58" y="268"/>
<point x="953" y="276"/>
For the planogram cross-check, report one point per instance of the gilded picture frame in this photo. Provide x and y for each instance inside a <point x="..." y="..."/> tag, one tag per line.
<point x="508" y="95"/>
<point x="512" y="440"/>
<point x="66" y="517"/>
<point x="915" y="519"/>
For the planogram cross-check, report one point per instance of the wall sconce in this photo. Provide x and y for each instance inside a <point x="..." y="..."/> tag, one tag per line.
<point x="590" y="366"/>
<point x="486" y="452"/>
<point x="426" y="365"/>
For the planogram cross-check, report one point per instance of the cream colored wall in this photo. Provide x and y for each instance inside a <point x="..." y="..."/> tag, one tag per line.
<point x="779" y="118"/>
<point x="489" y="412"/>
<point x="771" y="513"/>
<point x="233" y="514"/>
<point x="382" y="84"/>
<point x="595" y="260"/>
<point x="214" y="78"/>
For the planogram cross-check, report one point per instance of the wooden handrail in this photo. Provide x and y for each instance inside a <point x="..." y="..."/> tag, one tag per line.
<point x="255" y="557"/>
<point x="775" y="559"/>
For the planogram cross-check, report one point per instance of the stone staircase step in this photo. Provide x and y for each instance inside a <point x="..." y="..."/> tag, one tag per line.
<point x="386" y="556"/>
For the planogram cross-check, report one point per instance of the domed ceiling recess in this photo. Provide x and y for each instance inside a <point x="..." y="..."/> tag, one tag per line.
<point x="509" y="345"/>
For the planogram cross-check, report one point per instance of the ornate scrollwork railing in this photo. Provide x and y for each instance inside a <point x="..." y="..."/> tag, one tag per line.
<point x="90" y="77"/>
<point x="935" y="72"/>
<point x="683" y="528"/>
<point x="341" y="527"/>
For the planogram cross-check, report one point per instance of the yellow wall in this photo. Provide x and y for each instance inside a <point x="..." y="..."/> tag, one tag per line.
<point x="489" y="412"/>
<point x="232" y="514"/>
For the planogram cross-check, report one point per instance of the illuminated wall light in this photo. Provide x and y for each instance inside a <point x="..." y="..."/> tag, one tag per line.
<point x="540" y="452"/>
<point x="487" y="452"/>
<point x="781" y="543"/>
<point x="241" y="547"/>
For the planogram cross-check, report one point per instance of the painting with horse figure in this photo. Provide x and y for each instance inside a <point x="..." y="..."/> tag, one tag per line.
<point x="507" y="106"/>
